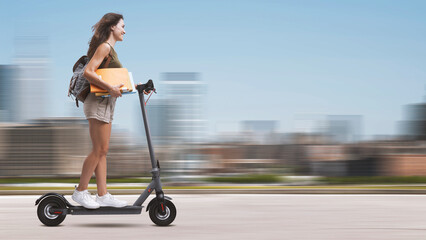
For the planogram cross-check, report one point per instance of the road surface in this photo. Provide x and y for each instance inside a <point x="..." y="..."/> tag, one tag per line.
<point x="239" y="216"/>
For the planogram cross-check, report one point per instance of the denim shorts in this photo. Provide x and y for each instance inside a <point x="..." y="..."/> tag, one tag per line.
<point x="100" y="108"/>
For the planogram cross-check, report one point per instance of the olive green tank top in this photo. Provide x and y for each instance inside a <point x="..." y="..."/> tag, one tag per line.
<point x="114" y="62"/>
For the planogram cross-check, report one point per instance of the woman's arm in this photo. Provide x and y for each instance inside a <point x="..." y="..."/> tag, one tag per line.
<point x="101" y="53"/>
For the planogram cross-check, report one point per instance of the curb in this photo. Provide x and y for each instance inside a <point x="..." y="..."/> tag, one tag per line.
<point x="231" y="191"/>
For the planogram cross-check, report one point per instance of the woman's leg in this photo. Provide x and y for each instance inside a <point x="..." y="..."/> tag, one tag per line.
<point x="101" y="169"/>
<point x="99" y="133"/>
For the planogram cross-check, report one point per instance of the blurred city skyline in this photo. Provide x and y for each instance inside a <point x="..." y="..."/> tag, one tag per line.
<point x="268" y="61"/>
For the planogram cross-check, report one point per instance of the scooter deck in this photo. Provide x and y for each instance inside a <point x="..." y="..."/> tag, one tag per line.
<point x="79" y="210"/>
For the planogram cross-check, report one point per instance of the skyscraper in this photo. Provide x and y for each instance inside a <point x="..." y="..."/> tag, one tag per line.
<point x="8" y="91"/>
<point x="415" y="125"/>
<point x="31" y="60"/>
<point x="185" y="94"/>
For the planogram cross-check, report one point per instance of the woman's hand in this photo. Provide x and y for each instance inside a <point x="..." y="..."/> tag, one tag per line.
<point x="114" y="91"/>
<point x="146" y="93"/>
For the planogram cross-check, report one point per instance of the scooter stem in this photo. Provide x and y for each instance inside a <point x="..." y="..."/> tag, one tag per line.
<point x="148" y="133"/>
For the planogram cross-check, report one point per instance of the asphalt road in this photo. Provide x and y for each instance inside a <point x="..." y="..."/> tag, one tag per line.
<point x="241" y="216"/>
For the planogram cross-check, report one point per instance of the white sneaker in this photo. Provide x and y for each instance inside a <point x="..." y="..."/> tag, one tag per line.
<point x="85" y="199"/>
<point x="108" y="200"/>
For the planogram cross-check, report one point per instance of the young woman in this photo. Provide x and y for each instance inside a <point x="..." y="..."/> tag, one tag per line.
<point x="99" y="111"/>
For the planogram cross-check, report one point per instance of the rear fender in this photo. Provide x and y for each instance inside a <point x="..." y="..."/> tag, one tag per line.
<point x="52" y="194"/>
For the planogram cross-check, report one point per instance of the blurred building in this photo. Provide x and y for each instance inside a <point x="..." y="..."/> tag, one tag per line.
<point x="242" y="158"/>
<point x="337" y="128"/>
<point x="415" y="126"/>
<point x="158" y="111"/>
<point x="344" y="128"/>
<point x="259" y="131"/>
<point x="177" y="122"/>
<point x="343" y="160"/>
<point x="45" y="147"/>
<point x="402" y="159"/>
<point x="372" y="158"/>
<point x="31" y="59"/>
<point x="8" y="93"/>
<point x="58" y="147"/>
<point x="185" y="118"/>
<point x="259" y="126"/>
<point x="125" y="158"/>
<point x="309" y="123"/>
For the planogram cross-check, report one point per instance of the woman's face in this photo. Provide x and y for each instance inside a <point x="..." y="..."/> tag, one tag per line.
<point x="118" y="30"/>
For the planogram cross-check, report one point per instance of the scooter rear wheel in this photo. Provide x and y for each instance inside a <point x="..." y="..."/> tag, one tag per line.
<point x="163" y="219"/>
<point x="43" y="211"/>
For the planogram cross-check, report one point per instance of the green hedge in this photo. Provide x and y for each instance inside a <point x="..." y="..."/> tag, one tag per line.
<point x="374" y="180"/>
<point x="255" y="178"/>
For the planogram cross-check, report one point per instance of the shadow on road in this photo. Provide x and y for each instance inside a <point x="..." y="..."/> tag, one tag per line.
<point x="109" y="225"/>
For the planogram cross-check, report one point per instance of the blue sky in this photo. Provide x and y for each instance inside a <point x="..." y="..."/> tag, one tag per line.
<point x="261" y="60"/>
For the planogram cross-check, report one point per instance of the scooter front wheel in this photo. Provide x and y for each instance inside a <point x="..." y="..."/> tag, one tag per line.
<point x="163" y="215"/>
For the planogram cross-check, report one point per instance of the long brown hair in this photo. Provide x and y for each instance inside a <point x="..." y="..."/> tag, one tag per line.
<point x="102" y="30"/>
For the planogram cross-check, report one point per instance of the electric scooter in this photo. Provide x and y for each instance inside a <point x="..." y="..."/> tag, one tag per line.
<point x="53" y="207"/>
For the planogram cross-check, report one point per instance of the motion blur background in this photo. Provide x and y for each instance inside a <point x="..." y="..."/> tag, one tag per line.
<point x="248" y="91"/>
